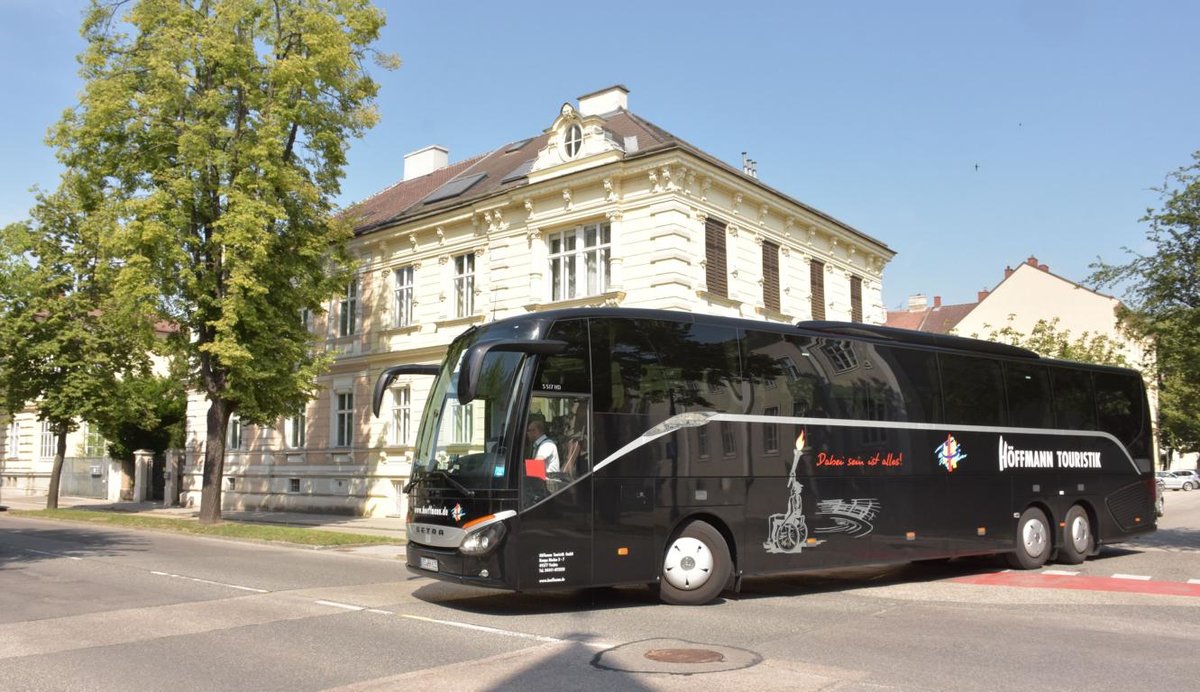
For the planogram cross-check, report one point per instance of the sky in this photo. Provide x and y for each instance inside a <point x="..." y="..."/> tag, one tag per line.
<point x="966" y="136"/>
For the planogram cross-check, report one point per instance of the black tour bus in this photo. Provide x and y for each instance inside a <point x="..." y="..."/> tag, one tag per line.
<point x="693" y="451"/>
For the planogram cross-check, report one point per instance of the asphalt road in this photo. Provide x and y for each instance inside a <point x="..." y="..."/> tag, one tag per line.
<point x="84" y="607"/>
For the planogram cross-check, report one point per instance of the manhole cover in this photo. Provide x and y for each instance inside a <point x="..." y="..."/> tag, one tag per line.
<point x="684" y="656"/>
<point x="674" y="657"/>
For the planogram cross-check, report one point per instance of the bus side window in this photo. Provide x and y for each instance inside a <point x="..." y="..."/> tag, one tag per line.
<point x="918" y="381"/>
<point x="1028" y="388"/>
<point x="1074" y="404"/>
<point x="1119" y="405"/>
<point x="972" y="390"/>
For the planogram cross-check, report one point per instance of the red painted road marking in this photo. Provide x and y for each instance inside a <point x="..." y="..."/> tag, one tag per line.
<point x="1053" y="581"/>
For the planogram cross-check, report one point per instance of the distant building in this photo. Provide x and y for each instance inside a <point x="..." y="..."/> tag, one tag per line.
<point x="602" y="207"/>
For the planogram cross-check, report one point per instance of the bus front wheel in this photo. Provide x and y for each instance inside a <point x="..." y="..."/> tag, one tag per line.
<point x="1078" y="540"/>
<point x="696" y="566"/>
<point x="1033" y="540"/>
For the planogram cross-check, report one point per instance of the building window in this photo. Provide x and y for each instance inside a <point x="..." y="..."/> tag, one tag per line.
<point x="10" y="439"/>
<point x="573" y="140"/>
<point x="348" y="310"/>
<point x="464" y="285"/>
<point x="770" y="269"/>
<point x="856" y="313"/>
<point x="771" y="431"/>
<point x="48" y="442"/>
<point x="295" y="430"/>
<point x="293" y="485"/>
<point x="715" y="260"/>
<point x="94" y="444"/>
<point x="580" y="261"/>
<point x="403" y="304"/>
<point x="343" y="419"/>
<point x="463" y="425"/>
<point x="728" y="441"/>
<point x="233" y="433"/>
<point x="401" y="415"/>
<point x="816" y="273"/>
<point x="702" y="441"/>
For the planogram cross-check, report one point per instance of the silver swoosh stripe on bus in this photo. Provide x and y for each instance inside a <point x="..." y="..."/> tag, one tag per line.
<point x="696" y="419"/>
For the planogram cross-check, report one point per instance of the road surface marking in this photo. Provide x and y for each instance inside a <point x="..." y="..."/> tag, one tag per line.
<point x="1135" y="577"/>
<point x="208" y="581"/>
<point x="1061" y="572"/>
<point x="1081" y="583"/>
<point x="343" y="606"/>
<point x="507" y="633"/>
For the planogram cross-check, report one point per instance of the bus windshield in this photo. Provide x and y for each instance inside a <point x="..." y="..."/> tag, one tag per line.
<point x="465" y="443"/>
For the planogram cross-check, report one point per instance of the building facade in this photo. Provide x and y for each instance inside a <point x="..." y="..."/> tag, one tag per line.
<point x="601" y="208"/>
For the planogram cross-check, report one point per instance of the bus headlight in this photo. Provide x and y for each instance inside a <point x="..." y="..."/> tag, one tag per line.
<point x="483" y="540"/>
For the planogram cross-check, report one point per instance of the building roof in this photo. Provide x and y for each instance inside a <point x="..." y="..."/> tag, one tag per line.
<point x="505" y="168"/>
<point x="938" y="319"/>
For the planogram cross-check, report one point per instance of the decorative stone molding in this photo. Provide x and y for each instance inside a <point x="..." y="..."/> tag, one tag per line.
<point x="705" y="186"/>
<point x="610" y="191"/>
<point x="528" y="209"/>
<point x="812" y="235"/>
<point x="737" y="202"/>
<point x="655" y="186"/>
<point x="443" y="259"/>
<point x="732" y="229"/>
<point x="700" y="216"/>
<point x="568" y="205"/>
<point x="614" y="215"/>
<point x="441" y="235"/>
<point x="762" y="214"/>
<point x="533" y="234"/>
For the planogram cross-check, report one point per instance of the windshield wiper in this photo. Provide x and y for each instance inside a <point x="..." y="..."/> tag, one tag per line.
<point x="441" y="474"/>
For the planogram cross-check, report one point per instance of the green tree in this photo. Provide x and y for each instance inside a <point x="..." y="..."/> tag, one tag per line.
<point x="1162" y="302"/>
<point x="70" y="325"/>
<point x="1046" y="338"/>
<point x="216" y="133"/>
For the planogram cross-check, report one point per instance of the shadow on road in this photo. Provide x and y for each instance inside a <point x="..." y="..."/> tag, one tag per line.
<point x="28" y="544"/>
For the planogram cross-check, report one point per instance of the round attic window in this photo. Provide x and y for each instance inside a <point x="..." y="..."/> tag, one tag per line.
<point x="573" y="140"/>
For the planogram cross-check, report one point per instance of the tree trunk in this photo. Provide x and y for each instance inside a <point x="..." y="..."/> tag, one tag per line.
<point x="214" y="461"/>
<point x="60" y="452"/>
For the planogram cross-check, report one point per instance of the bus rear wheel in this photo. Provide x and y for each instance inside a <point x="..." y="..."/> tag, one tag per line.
<point x="696" y="566"/>
<point x="1033" y="540"/>
<point x="1078" y="540"/>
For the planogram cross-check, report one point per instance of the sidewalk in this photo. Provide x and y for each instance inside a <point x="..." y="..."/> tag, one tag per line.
<point x="374" y="526"/>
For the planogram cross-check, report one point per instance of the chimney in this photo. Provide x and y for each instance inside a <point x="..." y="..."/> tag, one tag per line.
<point x="425" y="161"/>
<point x="917" y="303"/>
<point x="937" y="301"/>
<point x="1008" y="271"/>
<point x="1044" y="267"/>
<point x="984" y="293"/>
<point x="607" y="100"/>
<point x="1032" y="261"/>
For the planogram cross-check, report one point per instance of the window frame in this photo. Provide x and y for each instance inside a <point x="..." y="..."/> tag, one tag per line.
<point x="348" y="310"/>
<point x="464" y="284"/>
<point x="570" y="275"/>
<point x="343" y="419"/>
<point x="402" y="296"/>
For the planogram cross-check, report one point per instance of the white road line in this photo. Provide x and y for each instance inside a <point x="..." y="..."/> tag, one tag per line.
<point x="508" y="633"/>
<point x="343" y="606"/>
<point x="1193" y="581"/>
<point x="1061" y="572"/>
<point x="380" y="612"/>
<point x="43" y="552"/>
<point x="1135" y="577"/>
<point x="207" y="581"/>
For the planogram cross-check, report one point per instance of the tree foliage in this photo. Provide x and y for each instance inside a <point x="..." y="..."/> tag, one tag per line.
<point x="1046" y="338"/>
<point x="1162" y="302"/>
<point x="71" y="323"/>
<point x="215" y="132"/>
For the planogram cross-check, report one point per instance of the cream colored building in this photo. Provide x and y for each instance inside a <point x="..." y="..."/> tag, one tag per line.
<point x="600" y="208"/>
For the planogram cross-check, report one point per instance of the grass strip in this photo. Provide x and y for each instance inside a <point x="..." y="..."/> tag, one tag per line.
<point x="254" y="531"/>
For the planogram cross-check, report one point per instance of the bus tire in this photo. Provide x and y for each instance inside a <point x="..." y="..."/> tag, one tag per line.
<point x="1032" y="547"/>
<point x="1078" y="541"/>
<point x="696" y="566"/>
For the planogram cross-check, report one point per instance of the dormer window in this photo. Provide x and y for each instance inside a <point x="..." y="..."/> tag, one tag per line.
<point x="573" y="140"/>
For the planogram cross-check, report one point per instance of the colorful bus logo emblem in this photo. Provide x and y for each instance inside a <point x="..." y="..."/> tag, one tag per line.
<point x="457" y="512"/>
<point x="949" y="454"/>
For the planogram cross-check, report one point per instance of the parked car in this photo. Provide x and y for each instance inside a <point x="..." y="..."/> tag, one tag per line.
<point x="1191" y="479"/>
<point x="1170" y="481"/>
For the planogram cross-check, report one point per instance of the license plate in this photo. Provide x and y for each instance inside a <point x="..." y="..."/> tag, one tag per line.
<point x="429" y="563"/>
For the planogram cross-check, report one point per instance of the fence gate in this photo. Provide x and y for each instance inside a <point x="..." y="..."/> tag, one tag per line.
<point x="84" y="477"/>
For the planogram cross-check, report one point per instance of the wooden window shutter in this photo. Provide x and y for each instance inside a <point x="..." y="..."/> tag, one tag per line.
<point x="716" y="264"/>
<point x="770" y="273"/>
<point x="856" y="314"/>
<point x="816" y="273"/>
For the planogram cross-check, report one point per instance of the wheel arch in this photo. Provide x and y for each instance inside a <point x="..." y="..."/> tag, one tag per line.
<point x="717" y="522"/>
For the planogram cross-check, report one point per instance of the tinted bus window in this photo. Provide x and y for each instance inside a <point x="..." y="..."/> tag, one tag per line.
<point x="1028" y="388"/>
<point x="1119" y="405"/>
<point x="972" y="390"/>
<point x="916" y="376"/>
<point x="567" y="371"/>
<point x="783" y="373"/>
<point x="1074" y="405"/>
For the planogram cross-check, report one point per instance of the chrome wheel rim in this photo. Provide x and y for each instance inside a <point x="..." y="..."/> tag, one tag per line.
<point x="688" y="564"/>
<point x="1034" y="538"/>
<point x="1081" y="534"/>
